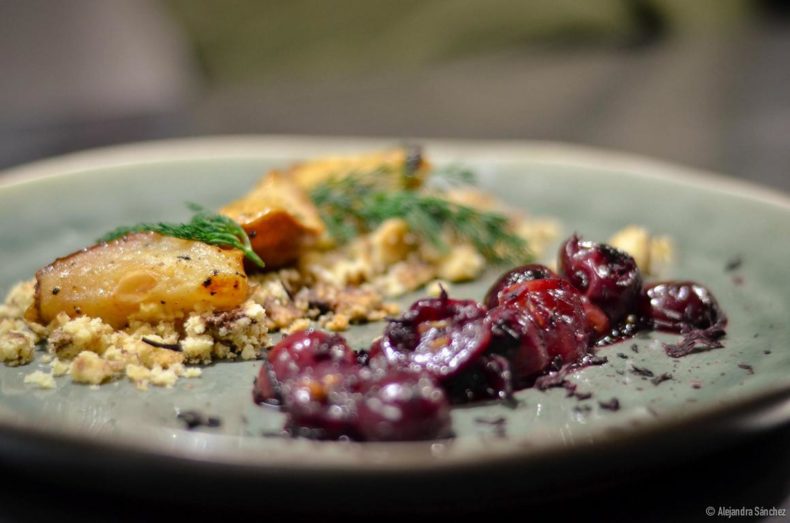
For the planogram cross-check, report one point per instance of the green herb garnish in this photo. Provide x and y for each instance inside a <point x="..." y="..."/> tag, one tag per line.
<point x="452" y="176"/>
<point x="205" y="226"/>
<point x="359" y="203"/>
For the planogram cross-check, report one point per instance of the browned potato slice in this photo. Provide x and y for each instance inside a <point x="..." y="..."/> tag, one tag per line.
<point x="279" y="218"/>
<point x="144" y="275"/>
<point x="396" y="162"/>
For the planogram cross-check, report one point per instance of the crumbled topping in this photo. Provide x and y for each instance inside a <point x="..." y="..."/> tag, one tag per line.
<point x="649" y="251"/>
<point x="461" y="263"/>
<point x="17" y="342"/>
<point x="88" y="367"/>
<point x="42" y="380"/>
<point x="333" y="287"/>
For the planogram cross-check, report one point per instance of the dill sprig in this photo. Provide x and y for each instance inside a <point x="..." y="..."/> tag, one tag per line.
<point x="452" y="176"/>
<point x="359" y="203"/>
<point x="205" y="226"/>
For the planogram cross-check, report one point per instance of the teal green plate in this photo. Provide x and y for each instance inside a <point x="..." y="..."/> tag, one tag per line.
<point x="83" y="435"/>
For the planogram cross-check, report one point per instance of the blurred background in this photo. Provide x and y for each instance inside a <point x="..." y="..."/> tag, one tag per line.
<point x="704" y="82"/>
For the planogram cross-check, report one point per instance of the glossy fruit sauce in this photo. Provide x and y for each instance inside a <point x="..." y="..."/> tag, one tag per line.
<point x="533" y="325"/>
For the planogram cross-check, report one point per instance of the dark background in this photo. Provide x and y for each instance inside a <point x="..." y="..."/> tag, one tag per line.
<point x="703" y="82"/>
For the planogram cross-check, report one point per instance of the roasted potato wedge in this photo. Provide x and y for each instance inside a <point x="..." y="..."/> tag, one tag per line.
<point x="279" y="218"/>
<point x="141" y="276"/>
<point x="405" y="165"/>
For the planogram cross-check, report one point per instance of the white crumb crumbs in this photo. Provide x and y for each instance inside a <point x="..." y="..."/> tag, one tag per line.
<point x="434" y="288"/>
<point x="88" y="367"/>
<point x="462" y="263"/>
<point x="158" y="376"/>
<point x="17" y="338"/>
<point x="390" y="243"/>
<point x="163" y="377"/>
<point x="42" y="380"/>
<point x="18" y="299"/>
<point x="195" y="325"/>
<point x="197" y="348"/>
<point x="92" y="352"/>
<point x="248" y="353"/>
<point x="300" y="324"/>
<point x="336" y="322"/>
<point x="539" y="233"/>
<point x="192" y="372"/>
<point x="59" y="368"/>
<point x="254" y="311"/>
<point x="138" y="375"/>
<point x="650" y="252"/>
<point x="662" y="252"/>
<point x="17" y="343"/>
<point x="69" y="337"/>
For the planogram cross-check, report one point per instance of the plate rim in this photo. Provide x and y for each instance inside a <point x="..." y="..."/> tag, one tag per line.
<point x="273" y="146"/>
<point x="722" y="422"/>
<point x="286" y="146"/>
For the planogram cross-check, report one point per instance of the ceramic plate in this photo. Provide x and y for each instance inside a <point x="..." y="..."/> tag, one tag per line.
<point x="118" y="436"/>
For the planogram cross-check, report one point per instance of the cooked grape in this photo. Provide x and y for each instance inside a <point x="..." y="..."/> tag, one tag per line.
<point x="438" y="336"/>
<point x="538" y="322"/>
<point x="674" y="305"/>
<point x="529" y="272"/>
<point x="403" y="406"/>
<point x="607" y="276"/>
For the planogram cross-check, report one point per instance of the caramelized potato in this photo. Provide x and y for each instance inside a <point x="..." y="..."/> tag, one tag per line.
<point x="145" y="276"/>
<point x="278" y="214"/>
<point x="405" y="165"/>
<point x="279" y="218"/>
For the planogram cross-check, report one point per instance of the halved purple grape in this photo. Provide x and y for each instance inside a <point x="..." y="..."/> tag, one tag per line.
<point x="607" y="276"/>
<point x="438" y="336"/>
<point x="295" y="353"/>
<point x="673" y="305"/>
<point x="489" y="379"/>
<point x="403" y="406"/>
<point x="539" y="322"/>
<point x="516" y="337"/>
<point x="306" y="348"/>
<point x="597" y="320"/>
<point x="266" y="388"/>
<point x="524" y="273"/>
<point x="321" y="400"/>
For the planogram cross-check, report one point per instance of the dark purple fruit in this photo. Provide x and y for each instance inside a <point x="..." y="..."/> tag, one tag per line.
<point x="674" y="305"/>
<point x="266" y="388"/>
<point x="438" y="336"/>
<point x="539" y="322"/>
<point x="524" y="273"/>
<point x="403" y="406"/>
<point x="516" y="337"/>
<point x="607" y="276"/>
<point x="489" y="379"/>
<point x="306" y="348"/>
<point x="295" y="353"/>
<point x="597" y="320"/>
<point x="321" y="400"/>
